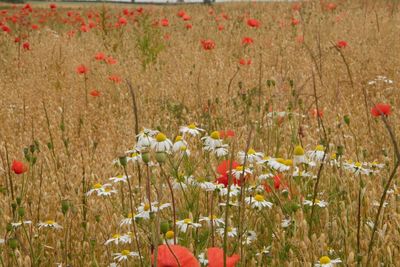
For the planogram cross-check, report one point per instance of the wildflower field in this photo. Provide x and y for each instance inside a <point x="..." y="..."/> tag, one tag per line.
<point x="242" y="134"/>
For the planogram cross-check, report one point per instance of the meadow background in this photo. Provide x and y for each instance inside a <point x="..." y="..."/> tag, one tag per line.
<point x="319" y="62"/>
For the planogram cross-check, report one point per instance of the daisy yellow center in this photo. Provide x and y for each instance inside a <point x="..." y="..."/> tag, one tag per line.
<point x="50" y="222"/>
<point x="119" y="176"/>
<point x="97" y="186"/>
<point x="187" y="221"/>
<point x="319" y="148"/>
<point x="146" y="207"/>
<point x="134" y="155"/>
<point x="169" y="234"/>
<point x="125" y="252"/>
<point x="107" y="189"/>
<point x="215" y="135"/>
<point x="116" y="236"/>
<point x="280" y="160"/>
<point x="160" y="137"/>
<point x="333" y="156"/>
<point x="317" y="201"/>
<point x="239" y="168"/>
<point x="298" y="151"/>
<point x="192" y="126"/>
<point x="358" y="164"/>
<point x="183" y="148"/>
<point x="324" y="260"/>
<point x="266" y="158"/>
<point x="259" y="198"/>
<point x="130" y="215"/>
<point x="178" y="138"/>
<point x="251" y="151"/>
<point x="229" y="229"/>
<point x="288" y="162"/>
<point x="213" y="217"/>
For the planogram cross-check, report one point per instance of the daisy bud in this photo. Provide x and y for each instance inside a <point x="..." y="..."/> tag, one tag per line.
<point x="146" y="157"/>
<point x="346" y="119"/>
<point x="123" y="160"/>
<point x="13" y="243"/>
<point x="9" y="227"/>
<point x="164" y="226"/>
<point x="19" y="200"/>
<point x="97" y="218"/>
<point x="21" y="212"/>
<point x="14" y="206"/>
<point x="161" y="157"/>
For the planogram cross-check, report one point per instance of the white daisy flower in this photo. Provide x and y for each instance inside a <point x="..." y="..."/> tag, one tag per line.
<point x="234" y="192"/>
<point x="117" y="239"/>
<point x="318" y="154"/>
<point x="145" y="139"/>
<point x="212" y="141"/>
<point x="239" y="171"/>
<point x="179" y="144"/>
<point x="161" y="143"/>
<point x="202" y="259"/>
<point x="265" y="176"/>
<point x="134" y="156"/>
<point x="356" y="168"/>
<point x="258" y="202"/>
<point x="251" y="156"/>
<point x="49" y="224"/>
<point x="286" y="222"/>
<point x="251" y="236"/>
<point x="18" y="224"/>
<point x="96" y="188"/>
<point x="183" y="225"/>
<point x="319" y="203"/>
<point x="264" y="251"/>
<point x="275" y="163"/>
<point x="232" y="232"/>
<point x="301" y="174"/>
<point x="218" y="222"/>
<point x="325" y="261"/>
<point x="144" y="209"/>
<point x="107" y="192"/>
<point x="221" y="151"/>
<point x="191" y="129"/>
<point x="124" y="255"/>
<point x="209" y="187"/>
<point x="119" y="179"/>
<point x="377" y="204"/>
<point x="299" y="155"/>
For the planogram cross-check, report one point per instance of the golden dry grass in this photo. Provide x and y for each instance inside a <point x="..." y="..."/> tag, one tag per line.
<point x="186" y="84"/>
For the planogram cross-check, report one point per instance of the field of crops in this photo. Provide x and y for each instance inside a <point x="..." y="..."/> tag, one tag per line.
<point x="242" y="134"/>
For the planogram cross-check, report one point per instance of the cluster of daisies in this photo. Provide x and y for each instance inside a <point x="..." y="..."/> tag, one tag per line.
<point x="259" y="173"/>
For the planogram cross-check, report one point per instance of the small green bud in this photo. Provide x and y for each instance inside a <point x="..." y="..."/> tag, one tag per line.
<point x="21" y="212"/>
<point x="164" y="226"/>
<point x="346" y="119"/>
<point x="146" y="157"/>
<point x="13" y="243"/>
<point x="64" y="206"/>
<point x="123" y="160"/>
<point x="161" y="157"/>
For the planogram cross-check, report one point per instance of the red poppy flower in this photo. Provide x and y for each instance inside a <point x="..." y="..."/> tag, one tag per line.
<point x="253" y="23"/>
<point x="165" y="22"/>
<point x="244" y="62"/>
<point x="225" y="165"/>
<point x="317" y="113"/>
<point x="247" y="40"/>
<point x="18" y="167"/>
<point x="34" y="27"/>
<point x="277" y="181"/>
<point x="82" y="69"/>
<point x="296" y="7"/>
<point x="223" y="179"/>
<point x="111" y="61"/>
<point x="220" y="27"/>
<point x="53" y="6"/>
<point x="226" y="134"/>
<point x="26" y="46"/>
<point x="140" y="10"/>
<point x="84" y="28"/>
<point x="295" y="21"/>
<point x="216" y="258"/>
<point x="100" y="56"/>
<point x="122" y="21"/>
<point x="381" y="109"/>
<point x="208" y="44"/>
<point x="115" y="78"/>
<point x="95" y="93"/>
<point x="189" y="26"/>
<point x="17" y="40"/>
<point x="166" y="258"/>
<point x="186" y="17"/>
<point x="341" y="44"/>
<point x="181" y="13"/>
<point x="6" y="29"/>
<point x="331" y="6"/>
